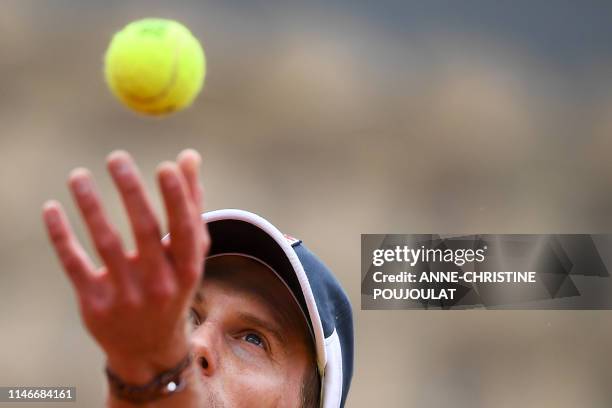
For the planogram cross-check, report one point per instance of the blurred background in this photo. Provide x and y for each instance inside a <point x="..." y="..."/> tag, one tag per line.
<point x="332" y="119"/>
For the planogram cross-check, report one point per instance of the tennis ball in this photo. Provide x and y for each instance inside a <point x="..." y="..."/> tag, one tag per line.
<point x="155" y="66"/>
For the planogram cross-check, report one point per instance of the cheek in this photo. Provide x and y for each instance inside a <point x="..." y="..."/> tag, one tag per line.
<point x="248" y="356"/>
<point x="269" y="385"/>
<point x="243" y="386"/>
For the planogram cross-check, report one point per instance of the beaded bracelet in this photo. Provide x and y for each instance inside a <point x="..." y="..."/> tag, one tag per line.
<point x="163" y="385"/>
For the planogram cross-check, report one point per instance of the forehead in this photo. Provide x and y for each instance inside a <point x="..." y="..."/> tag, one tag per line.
<point x="254" y="284"/>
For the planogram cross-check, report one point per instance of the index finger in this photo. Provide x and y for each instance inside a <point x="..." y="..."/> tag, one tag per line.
<point x="189" y="162"/>
<point x="183" y="221"/>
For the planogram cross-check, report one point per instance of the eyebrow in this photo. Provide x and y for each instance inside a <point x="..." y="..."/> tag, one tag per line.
<point x="270" y="327"/>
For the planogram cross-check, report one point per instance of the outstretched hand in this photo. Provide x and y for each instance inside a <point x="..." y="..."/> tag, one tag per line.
<point x="136" y="304"/>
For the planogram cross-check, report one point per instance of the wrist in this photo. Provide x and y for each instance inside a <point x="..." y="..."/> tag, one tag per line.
<point x="164" y="384"/>
<point x="141" y="368"/>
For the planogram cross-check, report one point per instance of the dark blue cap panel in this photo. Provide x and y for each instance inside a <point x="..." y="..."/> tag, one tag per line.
<point x="334" y="309"/>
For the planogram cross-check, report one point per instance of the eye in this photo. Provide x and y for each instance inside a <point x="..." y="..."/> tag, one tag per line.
<point x="193" y="318"/>
<point x="255" y="339"/>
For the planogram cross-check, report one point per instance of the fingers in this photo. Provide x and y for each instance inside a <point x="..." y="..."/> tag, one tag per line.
<point x="189" y="162"/>
<point x="140" y="211"/>
<point x="73" y="258"/>
<point x="185" y="228"/>
<point x="182" y="194"/>
<point x="104" y="236"/>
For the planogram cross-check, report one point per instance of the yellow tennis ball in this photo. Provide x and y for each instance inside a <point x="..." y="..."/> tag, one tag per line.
<point x="155" y="66"/>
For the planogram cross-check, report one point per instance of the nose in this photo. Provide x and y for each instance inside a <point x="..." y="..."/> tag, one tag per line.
<point x="206" y="343"/>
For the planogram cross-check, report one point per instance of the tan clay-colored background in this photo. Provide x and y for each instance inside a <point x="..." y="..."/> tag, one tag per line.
<point x="332" y="119"/>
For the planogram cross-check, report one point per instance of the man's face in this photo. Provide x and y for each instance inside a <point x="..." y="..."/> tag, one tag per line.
<point x="251" y="340"/>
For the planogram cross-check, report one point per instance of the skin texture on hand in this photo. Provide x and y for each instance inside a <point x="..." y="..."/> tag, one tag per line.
<point x="136" y="304"/>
